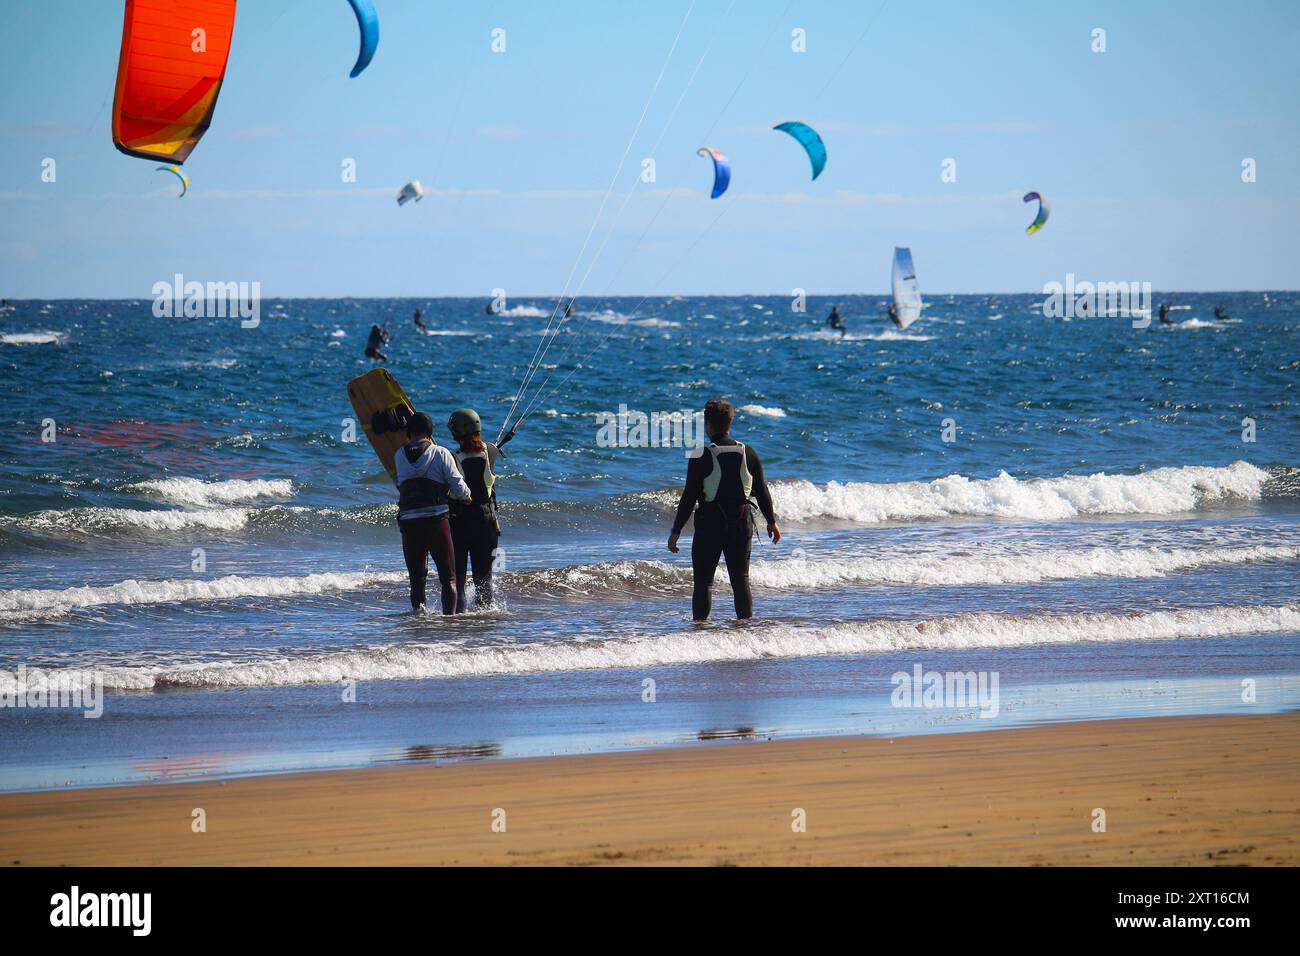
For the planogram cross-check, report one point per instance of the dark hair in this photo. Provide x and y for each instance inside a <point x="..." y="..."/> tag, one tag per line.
<point x="419" y="424"/>
<point x="717" y="414"/>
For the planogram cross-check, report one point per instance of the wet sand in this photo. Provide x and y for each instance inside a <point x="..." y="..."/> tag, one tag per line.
<point x="1183" y="790"/>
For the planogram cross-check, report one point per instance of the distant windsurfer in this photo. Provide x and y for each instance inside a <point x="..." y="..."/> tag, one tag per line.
<point x="568" y="309"/>
<point x="836" y="321"/>
<point x="1221" y="313"/>
<point x="378" y="339"/>
<point x="724" y="479"/>
<point x="1164" y="314"/>
<point x="893" y="314"/>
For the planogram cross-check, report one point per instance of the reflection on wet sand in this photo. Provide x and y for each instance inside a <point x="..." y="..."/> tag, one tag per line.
<point x="733" y="733"/>
<point x="419" y="752"/>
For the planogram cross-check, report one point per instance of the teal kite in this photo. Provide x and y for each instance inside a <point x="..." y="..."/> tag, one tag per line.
<point x="810" y="141"/>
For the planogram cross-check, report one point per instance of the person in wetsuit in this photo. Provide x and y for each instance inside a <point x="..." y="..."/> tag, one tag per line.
<point x="835" y="320"/>
<point x="1221" y="313"/>
<point x="419" y="322"/>
<point x="724" y="480"/>
<point x="1164" y="314"/>
<point x="893" y="314"/>
<point x="475" y="530"/>
<point x="427" y="478"/>
<point x="378" y="339"/>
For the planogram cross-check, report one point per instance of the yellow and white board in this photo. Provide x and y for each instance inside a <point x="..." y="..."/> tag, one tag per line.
<point x="378" y="391"/>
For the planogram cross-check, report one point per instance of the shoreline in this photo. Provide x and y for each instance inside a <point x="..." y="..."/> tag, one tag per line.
<point x="1175" y="791"/>
<point x="197" y="736"/>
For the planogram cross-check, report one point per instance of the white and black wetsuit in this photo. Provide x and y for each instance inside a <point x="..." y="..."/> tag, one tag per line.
<point x="721" y="485"/>
<point x="475" y="531"/>
<point x="427" y="479"/>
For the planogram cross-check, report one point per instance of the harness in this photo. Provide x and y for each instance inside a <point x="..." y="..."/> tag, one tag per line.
<point x="726" y="488"/>
<point x="486" y="503"/>
<point x="713" y="480"/>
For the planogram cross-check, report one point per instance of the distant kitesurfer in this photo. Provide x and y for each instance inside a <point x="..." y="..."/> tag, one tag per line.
<point x="475" y="529"/>
<point x="835" y="320"/>
<point x="1164" y="314"/>
<point x="419" y="322"/>
<point x="378" y="339"/>
<point x="427" y="478"/>
<point x="1221" y="314"/>
<point x="724" y="480"/>
<point x="489" y="309"/>
<point x="568" y="309"/>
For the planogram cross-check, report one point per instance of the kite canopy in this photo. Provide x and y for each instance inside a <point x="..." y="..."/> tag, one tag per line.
<point x="169" y="73"/>
<point x="1043" y="211"/>
<point x="368" y="24"/>
<point x="721" y="170"/>
<point x="412" y="190"/>
<point x="810" y="141"/>
<point x="176" y="171"/>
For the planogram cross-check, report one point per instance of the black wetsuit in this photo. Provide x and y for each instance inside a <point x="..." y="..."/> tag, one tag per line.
<point x="475" y="531"/>
<point x="378" y="339"/>
<point x="1164" y="313"/>
<point x="422" y="537"/>
<point x="724" y="527"/>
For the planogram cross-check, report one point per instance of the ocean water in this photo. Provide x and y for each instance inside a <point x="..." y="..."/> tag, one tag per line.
<point x="1097" y="534"/>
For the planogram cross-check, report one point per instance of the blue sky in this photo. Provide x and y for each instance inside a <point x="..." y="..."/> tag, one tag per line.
<point x="1138" y="148"/>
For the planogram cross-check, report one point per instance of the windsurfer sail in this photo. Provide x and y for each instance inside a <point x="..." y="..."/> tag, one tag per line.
<point x="907" y="293"/>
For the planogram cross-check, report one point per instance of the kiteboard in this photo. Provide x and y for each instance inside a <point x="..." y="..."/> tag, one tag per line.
<point x="383" y="410"/>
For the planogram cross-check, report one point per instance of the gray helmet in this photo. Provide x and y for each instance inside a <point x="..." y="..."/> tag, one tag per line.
<point x="464" y="422"/>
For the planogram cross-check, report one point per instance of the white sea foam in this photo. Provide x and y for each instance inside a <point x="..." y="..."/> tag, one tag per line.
<point x="982" y="566"/>
<point x="75" y="521"/>
<point x="194" y="491"/>
<point x="527" y="311"/>
<point x="695" y="646"/>
<point x="614" y="318"/>
<point x="765" y="411"/>
<point x="830" y="335"/>
<point x="31" y="338"/>
<point x="23" y="603"/>
<point x="995" y="566"/>
<point x="338" y="334"/>
<point x="1158" y="492"/>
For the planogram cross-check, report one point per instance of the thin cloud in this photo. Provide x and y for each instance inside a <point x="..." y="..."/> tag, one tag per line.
<point x="262" y="132"/>
<point x="891" y="130"/>
<point x="42" y="129"/>
<point x="502" y="134"/>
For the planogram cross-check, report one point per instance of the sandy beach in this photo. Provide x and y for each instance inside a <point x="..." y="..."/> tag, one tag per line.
<point x="1177" y="791"/>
